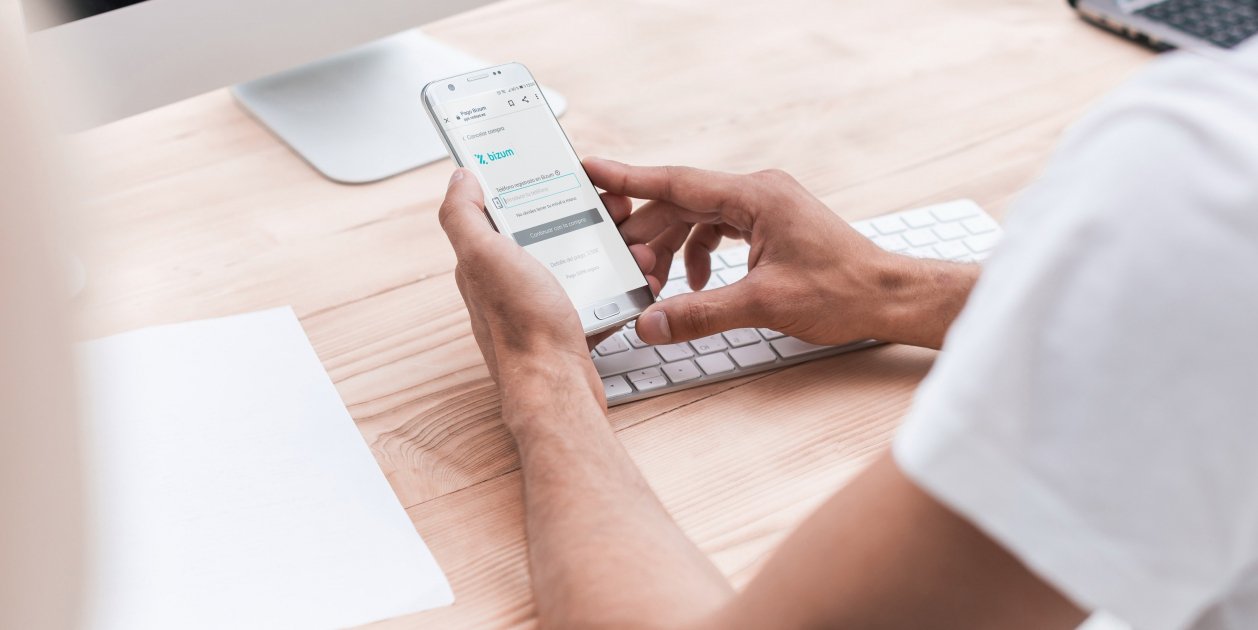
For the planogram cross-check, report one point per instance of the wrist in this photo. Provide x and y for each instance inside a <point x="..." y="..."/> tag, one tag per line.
<point x="921" y="298"/>
<point x="547" y="385"/>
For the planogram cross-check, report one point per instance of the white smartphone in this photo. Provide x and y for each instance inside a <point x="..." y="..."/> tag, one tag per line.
<point x="497" y="123"/>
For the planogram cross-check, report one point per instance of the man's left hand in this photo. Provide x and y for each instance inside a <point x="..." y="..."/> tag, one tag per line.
<point x="521" y="317"/>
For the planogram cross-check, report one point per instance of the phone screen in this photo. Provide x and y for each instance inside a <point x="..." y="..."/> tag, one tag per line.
<point x="536" y="191"/>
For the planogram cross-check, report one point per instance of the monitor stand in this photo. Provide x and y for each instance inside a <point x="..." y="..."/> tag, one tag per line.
<point x="357" y="116"/>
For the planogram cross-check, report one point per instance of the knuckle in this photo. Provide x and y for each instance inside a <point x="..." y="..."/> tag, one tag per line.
<point x="775" y="176"/>
<point x="778" y="186"/>
<point x="697" y="315"/>
<point x="446" y="212"/>
<point x="461" y="279"/>
<point x="671" y="175"/>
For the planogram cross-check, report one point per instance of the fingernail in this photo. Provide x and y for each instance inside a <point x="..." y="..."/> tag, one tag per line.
<point x="456" y="175"/>
<point x="657" y="322"/>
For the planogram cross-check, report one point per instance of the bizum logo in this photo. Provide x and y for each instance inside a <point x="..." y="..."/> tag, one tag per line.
<point x="486" y="158"/>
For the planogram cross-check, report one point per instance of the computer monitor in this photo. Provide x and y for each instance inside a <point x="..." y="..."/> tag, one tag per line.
<point x="338" y="80"/>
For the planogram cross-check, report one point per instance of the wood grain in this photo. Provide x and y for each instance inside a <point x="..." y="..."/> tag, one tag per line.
<point x="196" y="211"/>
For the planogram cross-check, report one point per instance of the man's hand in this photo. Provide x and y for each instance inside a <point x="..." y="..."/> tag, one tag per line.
<point x="523" y="321"/>
<point x="811" y="275"/>
<point x="590" y="514"/>
<point x="603" y="551"/>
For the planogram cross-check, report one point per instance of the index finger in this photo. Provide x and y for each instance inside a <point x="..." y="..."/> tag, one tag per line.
<point x="690" y="188"/>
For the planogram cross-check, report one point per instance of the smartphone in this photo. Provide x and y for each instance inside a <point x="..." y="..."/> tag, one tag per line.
<point x="496" y="122"/>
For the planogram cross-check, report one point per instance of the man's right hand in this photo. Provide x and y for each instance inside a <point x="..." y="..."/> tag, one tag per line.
<point x="810" y="274"/>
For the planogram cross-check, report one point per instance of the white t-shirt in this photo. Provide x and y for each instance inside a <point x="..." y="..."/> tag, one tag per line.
<point x="1095" y="409"/>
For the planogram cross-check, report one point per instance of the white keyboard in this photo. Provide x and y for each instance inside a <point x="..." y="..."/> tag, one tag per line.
<point x="631" y="369"/>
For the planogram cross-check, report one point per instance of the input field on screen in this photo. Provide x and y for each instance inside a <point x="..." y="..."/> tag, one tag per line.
<point x="533" y="192"/>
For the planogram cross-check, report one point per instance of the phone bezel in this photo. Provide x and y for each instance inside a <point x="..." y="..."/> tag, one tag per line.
<point x="629" y="304"/>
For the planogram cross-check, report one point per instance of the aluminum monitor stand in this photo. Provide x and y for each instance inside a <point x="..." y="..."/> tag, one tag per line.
<point x="357" y="116"/>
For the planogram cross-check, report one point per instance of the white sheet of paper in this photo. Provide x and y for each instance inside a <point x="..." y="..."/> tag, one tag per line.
<point x="231" y="489"/>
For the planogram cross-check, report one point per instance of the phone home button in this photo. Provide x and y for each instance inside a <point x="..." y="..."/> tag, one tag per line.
<point x="606" y="310"/>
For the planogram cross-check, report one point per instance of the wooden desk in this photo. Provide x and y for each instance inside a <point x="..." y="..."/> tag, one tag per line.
<point x="196" y="211"/>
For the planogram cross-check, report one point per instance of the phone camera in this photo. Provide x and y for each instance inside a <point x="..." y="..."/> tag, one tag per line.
<point x="451" y="86"/>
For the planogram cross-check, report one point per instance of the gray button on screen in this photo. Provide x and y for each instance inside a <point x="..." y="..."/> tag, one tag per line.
<point x="606" y="310"/>
<point x="558" y="227"/>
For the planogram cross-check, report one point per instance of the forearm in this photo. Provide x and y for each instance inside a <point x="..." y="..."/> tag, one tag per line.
<point x="603" y="550"/>
<point x="883" y="553"/>
<point x="921" y="299"/>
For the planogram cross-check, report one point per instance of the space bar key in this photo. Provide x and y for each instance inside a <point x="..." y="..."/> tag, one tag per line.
<point x="622" y="362"/>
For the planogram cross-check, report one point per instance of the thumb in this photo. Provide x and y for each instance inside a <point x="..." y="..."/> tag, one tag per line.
<point x="693" y="315"/>
<point x="462" y="213"/>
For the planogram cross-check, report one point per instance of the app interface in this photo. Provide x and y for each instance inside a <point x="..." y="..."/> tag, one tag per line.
<point x="537" y="192"/>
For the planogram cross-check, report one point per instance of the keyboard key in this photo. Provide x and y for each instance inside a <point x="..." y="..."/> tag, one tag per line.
<point x="709" y="344"/>
<point x="1226" y="24"/>
<point x="741" y="337"/>
<point x="918" y="218"/>
<point x="678" y="268"/>
<point x="889" y="225"/>
<point x="681" y="371"/>
<point x="612" y="345"/>
<point x="675" y="286"/>
<point x="675" y="352"/>
<point x="955" y="211"/>
<point x="758" y="354"/>
<point x="980" y="225"/>
<point x="655" y="382"/>
<point x="643" y="374"/>
<point x="770" y="334"/>
<point x="792" y="347"/>
<point x="629" y="361"/>
<point x="715" y="363"/>
<point x="921" y="238"/>
<point x="735" y="256"/>
<point x="950" y="231"/>
<point x="732" y="274"/>
<point x="616" y="386"/>
<point x="952" y="250"/>
<point x="893" y="243"/>
<point x="983" y="242"/>
<point x="632" y="337"/>
<point x="920" y="252"/>
<point x="865" y="229"/>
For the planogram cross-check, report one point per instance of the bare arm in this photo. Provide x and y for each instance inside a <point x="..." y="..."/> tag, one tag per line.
<point x="605" y="553"/>
<point x="602" y="549"/>
<point x="600" y="543"/>
<point x="810" y="274"/>
<point x="883" y="554"/>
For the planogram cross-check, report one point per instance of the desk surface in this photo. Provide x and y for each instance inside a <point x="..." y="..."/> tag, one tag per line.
<point x="196" y="211"/>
